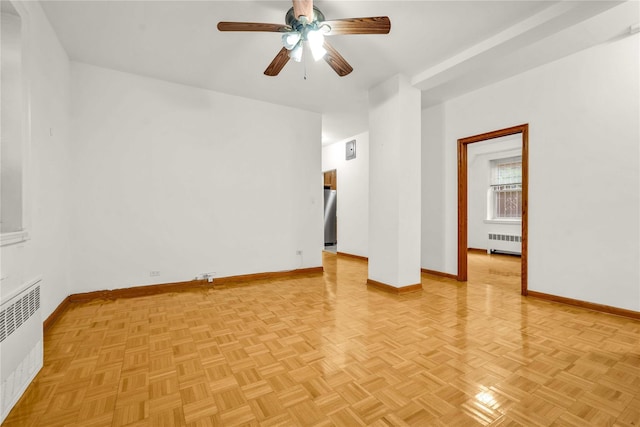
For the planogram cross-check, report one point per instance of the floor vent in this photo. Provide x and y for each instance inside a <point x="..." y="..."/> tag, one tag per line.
<point x="20" y="344"/>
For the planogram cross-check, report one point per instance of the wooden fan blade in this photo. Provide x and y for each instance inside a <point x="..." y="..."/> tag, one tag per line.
<point x="303" y="8"/>
<point x="372" y="25"/>
<point x="336" y="61"/>
<point x="253" y="26"/>
<point x="278" y="63"/>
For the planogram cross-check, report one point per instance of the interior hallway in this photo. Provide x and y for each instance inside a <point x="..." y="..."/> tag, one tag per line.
<point x="327" y="350"/>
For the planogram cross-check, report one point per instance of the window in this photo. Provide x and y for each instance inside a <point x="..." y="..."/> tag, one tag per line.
<point x="505" y="191"/>
<point x="13" y="137"/>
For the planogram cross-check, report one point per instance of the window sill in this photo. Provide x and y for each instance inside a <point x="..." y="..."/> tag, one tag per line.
<point x="14" y="237"/>
<point x="503" y="221"/>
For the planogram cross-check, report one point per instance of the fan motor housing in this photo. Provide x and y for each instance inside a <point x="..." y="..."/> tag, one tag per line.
<point x="293" y="21"/>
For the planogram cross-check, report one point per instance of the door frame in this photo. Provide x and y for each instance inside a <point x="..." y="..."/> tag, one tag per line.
<point x="463" y="202"/>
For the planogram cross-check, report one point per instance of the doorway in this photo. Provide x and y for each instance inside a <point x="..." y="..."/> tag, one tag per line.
<point x="523" y="131"/>
<point x="330" y="211"/>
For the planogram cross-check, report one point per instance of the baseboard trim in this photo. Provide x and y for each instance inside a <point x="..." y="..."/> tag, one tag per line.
<point x="346" y="255"/>
<point x="585" y="304"/>
<point x="392" y="289"/>
<point x="53" y="317"/>
<point x="477" y="251"/>
<point x="270" y="275"/>
<point x="439" y="273"/>
<point x="138" y="291"/>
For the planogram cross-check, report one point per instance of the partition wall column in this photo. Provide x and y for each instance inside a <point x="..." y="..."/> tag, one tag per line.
<point x="394" y="186"/>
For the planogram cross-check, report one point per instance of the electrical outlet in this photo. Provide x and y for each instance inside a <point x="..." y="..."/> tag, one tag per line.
<point x="154" y="273"/>
<point x="206" y="276"/>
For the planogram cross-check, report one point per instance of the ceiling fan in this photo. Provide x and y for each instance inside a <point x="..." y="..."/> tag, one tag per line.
<point x="306" y="23"/>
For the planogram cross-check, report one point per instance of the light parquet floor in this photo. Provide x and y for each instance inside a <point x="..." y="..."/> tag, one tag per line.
<point x="326" y="350"/>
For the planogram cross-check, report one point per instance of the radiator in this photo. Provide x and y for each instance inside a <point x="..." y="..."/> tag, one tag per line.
<point x="507" y="243"/>
<point x="20" y="343"/>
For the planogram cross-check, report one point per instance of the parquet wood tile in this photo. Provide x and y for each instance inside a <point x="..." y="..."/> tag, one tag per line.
<point x="326" y="350"/>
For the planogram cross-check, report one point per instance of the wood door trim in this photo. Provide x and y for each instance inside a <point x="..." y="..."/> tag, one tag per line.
<point x="462" y="198"/>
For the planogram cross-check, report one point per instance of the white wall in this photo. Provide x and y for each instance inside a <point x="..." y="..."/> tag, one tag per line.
<point x="433" y="242"/>
<point x="352" y="194"/>
<point x="584" y="188"/>
<point x="479" y="156"/>
<point x="46" y="253"/>
<point x="184" y="181"/>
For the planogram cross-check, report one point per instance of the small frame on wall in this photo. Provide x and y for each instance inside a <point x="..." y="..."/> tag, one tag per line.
<point x="350" y="150"/>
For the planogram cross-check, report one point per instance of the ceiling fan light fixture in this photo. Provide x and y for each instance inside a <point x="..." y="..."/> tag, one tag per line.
<point x="318" y="52"/>
<point x="315" y="37"/>
<point x="316" y="42"/>
<point x="296" y="52"/>
<point x="324" y="28"/>
<point x="290" y="40"/>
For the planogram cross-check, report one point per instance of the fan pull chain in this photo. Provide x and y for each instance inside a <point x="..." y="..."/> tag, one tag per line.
<point x="304" y="65"/>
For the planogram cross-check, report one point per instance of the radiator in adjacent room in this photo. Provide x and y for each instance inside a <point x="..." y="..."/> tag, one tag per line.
<point x="21" y="343"/>
<point x="507" y="243"/>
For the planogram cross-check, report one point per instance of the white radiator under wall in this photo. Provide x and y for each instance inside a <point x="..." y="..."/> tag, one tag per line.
<point x="21" y="343"/>
<point x="507" y="243"/>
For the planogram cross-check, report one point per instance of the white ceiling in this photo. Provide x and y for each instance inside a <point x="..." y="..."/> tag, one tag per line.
<point x="445" y="47"/>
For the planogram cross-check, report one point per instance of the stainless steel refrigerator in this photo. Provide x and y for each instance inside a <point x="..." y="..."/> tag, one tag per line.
<point x="330" y="226"/>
